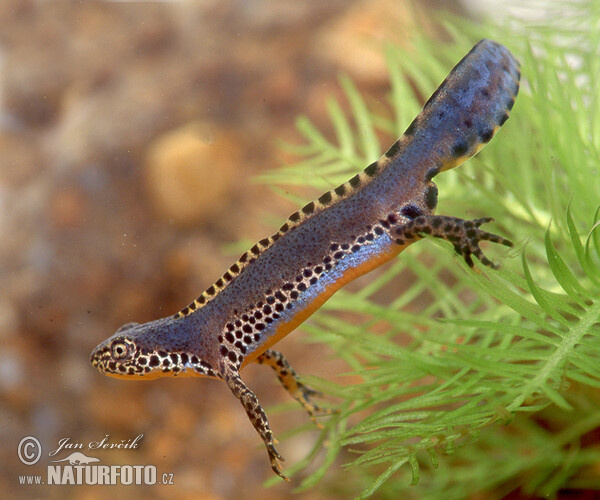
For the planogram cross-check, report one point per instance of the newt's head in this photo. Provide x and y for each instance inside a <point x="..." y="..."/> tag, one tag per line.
<point x="146" y="351"/>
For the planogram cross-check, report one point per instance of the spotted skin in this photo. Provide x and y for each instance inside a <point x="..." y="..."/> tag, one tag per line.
<point x="290" y="381"/>
<point x="346" y="232"/>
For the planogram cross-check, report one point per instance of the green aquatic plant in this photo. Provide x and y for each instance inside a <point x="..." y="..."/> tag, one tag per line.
<point x="491" y="378"/>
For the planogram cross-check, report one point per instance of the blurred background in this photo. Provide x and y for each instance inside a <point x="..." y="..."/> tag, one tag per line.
<point x="130" y="134"/>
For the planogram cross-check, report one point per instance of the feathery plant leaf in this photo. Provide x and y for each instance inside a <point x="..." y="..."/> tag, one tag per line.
<point x="440" y="355"/>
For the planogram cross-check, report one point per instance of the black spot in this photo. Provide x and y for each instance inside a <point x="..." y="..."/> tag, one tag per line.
<point x="185" y="310"/>
<point x="437" y="222"/>
<point x="346" y="246"/>
<point x="278" y="308"/>
<point x="270" y="300"/>
<point x="284" y="228"/>
<point x="255" y="250"/>
<point x="247" y="328"/>
<point x="234" y="269"/>
<point x="355" y="248"/>
<point x="411" y="211"/>
<point x="503" y="119"/>
<point x="247" y="339"/>
<point x="393" y="151"/>
<point x="371" y="170"/>
<point x="379" y="231"/>
<point x="411" y="128"/>
<point x="260" y="326"/>
<point x="391" y="218"/>
<point x="232" y="356"/>
<point x="355" y="181"/>
<point x="193" y="306"/>
<point x="340" y="190"/>
<point x="230" y="338"/>
<point x="154" y="361"/>
<point x="238" y="334"/>
<point x="334" y="247"/>
<point x="294" y="294"/>
<point x="201" y="299"/>
<point x="224" y="351"/>
<point x="309" y="208"/>
<point x="313" y="281"/>
<point x="510" y="103"/>
<point x="302" y="287"/>
<point x="431" y="196"/>
<point x="338" y="255"/>
<point x="275" y="237"/>
<point x="318" y="269"/>
<point x="256" y="337"/>
<point x="195" y="360"/>
<point x="468" y="122"/>
<point x="295" y="217"/>
<point x="227" y="276"/>
<point x="307" y="273"/>
<point x="267" y="309"/>
<point x="485" y="93"/>
<point x="258" y="315"/>
<point x="142" y="361"/>
<point x="460" y="148"/>
<point x="184" y="357"/>
<point x="325" y="199"/>
<point x="243" y="257"/>
<point x="486" y="135"/>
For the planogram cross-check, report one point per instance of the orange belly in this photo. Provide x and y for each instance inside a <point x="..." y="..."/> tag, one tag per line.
<point x="303" y="314"/>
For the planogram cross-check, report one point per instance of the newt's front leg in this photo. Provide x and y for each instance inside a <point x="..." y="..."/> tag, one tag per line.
<point x="290" y="381"/>
<point x="257" y="416"/>
<point x="465" y="235"/>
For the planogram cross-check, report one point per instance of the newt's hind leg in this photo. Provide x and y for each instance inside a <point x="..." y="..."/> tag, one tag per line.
<point x="465" y="235"/>
<point x="257" y="416"/>
<point x="289" y="379"/>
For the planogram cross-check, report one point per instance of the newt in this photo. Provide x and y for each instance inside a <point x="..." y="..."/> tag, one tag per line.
<point x="345" y="233"/>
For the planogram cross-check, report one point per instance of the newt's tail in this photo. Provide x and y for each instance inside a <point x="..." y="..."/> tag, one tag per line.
<point x="462" y="115"/>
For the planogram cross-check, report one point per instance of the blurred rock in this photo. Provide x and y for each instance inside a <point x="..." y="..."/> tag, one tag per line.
<point x="191" y="172"/>
<point x="354" y="41"/>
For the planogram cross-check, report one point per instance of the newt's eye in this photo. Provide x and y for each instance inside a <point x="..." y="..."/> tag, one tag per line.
<point x="119" y="350"/>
